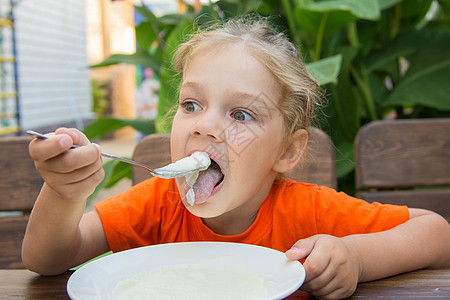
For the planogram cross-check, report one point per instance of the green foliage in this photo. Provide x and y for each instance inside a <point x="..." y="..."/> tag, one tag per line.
<point x="106" y="125"/>
<point x="99" y="94"/>
<point x="373" y="58"/>
<point x="114" y="170"/>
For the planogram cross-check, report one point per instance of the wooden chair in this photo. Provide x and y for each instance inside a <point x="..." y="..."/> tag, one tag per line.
<point x="405" y="162"/>
<point x="317" y="167"/>
<point x="20" y="184"/>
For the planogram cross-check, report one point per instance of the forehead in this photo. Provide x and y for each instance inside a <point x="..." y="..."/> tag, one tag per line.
<point x="231" y="69"/>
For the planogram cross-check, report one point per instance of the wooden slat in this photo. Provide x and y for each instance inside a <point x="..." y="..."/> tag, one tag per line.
<point x="318" y="163"/>
<point x="25" y="284"/>
<point x="154" y="150"/>
<point x="12" y="231"/>
<point x="20" y="183"/>
<point x="434" y="200"/>
<point x="422" y="284"/>
<point x="403" y="153"/>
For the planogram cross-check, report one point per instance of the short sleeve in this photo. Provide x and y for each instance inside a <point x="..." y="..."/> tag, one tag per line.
<point x="133" y="218"/>
<point x="339" y="214"/>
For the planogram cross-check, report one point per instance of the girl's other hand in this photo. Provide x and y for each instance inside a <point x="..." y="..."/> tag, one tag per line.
<point x="74" y="174"/>
<point x="332" y="267"/>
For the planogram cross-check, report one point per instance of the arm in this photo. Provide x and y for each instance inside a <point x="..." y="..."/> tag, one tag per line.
<point x="334" y="266"/>
<point x="421" y="242"/>
<point x="58" y="235"/>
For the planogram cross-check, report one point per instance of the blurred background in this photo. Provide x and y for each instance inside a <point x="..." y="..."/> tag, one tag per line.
<point x="46" y="48"/>
<point x="104" y="66"/>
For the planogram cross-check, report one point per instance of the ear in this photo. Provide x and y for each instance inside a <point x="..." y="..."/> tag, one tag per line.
<point x="292" y="153"/>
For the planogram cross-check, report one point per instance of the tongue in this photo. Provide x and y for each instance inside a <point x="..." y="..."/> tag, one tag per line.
<point x="206" y="182"/>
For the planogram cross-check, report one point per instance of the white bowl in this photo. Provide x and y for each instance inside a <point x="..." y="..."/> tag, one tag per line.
<point x="99" y="279"/>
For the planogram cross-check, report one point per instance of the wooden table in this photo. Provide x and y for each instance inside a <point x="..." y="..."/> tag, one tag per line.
<point x="423" y="284"/>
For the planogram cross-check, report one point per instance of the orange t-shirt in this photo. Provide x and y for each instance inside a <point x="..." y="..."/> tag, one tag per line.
<point x="152" y="213"/>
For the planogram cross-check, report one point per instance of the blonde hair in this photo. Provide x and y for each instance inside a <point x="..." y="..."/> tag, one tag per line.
<point x="299" y="95"/>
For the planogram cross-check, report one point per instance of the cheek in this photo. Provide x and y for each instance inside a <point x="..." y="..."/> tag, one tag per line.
<point x="178" y="138"/>
<point x="240" y="140"/>
<point x="254" y="143"/>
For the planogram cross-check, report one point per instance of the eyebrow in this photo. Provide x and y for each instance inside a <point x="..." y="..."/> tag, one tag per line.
<point x="234" y="93"/>
<point x="191" y="84"/>
<point x="245" y="95"/>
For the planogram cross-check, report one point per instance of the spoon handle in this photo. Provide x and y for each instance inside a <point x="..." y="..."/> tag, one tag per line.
<point x="128" y="161"/>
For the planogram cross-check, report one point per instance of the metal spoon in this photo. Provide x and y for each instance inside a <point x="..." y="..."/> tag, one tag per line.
<point x="165" y="173"/>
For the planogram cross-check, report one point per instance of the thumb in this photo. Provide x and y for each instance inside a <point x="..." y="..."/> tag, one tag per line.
<point x="301" y="249"/>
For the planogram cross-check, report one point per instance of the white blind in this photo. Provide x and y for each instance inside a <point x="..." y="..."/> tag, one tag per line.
<point x="54" y="84"/>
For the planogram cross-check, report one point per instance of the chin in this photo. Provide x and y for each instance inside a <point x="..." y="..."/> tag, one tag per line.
<point x="204" y="210"/>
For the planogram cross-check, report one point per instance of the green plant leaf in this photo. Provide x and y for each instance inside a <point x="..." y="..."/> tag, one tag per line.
<point x="368" y="9"/>
<point x="105" y="125"/>
<point x="169" y="77"/>
<point x="232" y="9"/>
<point x="427" y="80"/>
<point x="326" y="70"/>
<point x="404" y="45"/>
<point x="416" y="9"/>
<point x="385" y="4"/>
<point x="345" y="159"/>
<point x="108" y="167"/>
<point x="345" y="119"/>
<point x="146" y="13"/>
<point x="145" y="35"/>
<point x="171" y="19"/>
<point x="311" y="20"/>
<point x="388" y="57"/>
<point x="228" y="8"/>
<point x="379" y="92"/>
<point x="141" y="58"/>
<point x="445" y="5"/>
<point x="343" y="107"/>
<point x="337" y="13"/>
<point x="120" y="171"/>
<point x="251" y="6"/>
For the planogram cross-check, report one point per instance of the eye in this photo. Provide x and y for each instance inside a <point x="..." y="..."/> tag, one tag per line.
<point x="191" y="106"/>
<point x="241" y="116"/>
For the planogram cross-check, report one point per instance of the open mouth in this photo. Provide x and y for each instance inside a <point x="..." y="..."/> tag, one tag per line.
<point x="207" y="182"/>
<point x="217" y="172"/>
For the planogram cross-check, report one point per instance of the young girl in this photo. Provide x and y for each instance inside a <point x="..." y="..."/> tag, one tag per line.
<point x="247" y="100"/>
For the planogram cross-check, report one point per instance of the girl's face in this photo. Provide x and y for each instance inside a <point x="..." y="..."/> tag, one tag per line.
<point x="229" y="108"/>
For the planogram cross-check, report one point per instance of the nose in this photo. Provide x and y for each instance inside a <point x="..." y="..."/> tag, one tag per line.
<point x="209" y="125"/>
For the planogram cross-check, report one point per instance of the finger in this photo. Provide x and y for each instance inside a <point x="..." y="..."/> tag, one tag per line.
<point x="323" y="284"/>
<point x="337" y="281"/>
<point x="54" y="179"/>
<point x="41" y="150"/>
<point x="71" y="160"/>
<point x="77" y="136"/>
<point x="301" y="249"/>
<point x="327" y="271"/>
<point x="294" y="254"/>
<point x="80" y="190"/>
<point x="339" y="293"/>
<point x="318" y="260"/>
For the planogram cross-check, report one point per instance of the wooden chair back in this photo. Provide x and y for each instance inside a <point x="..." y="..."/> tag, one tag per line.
<point x="405" y="162"/>
<point x="20" y="184"/>
<point x="318" y="165"/>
